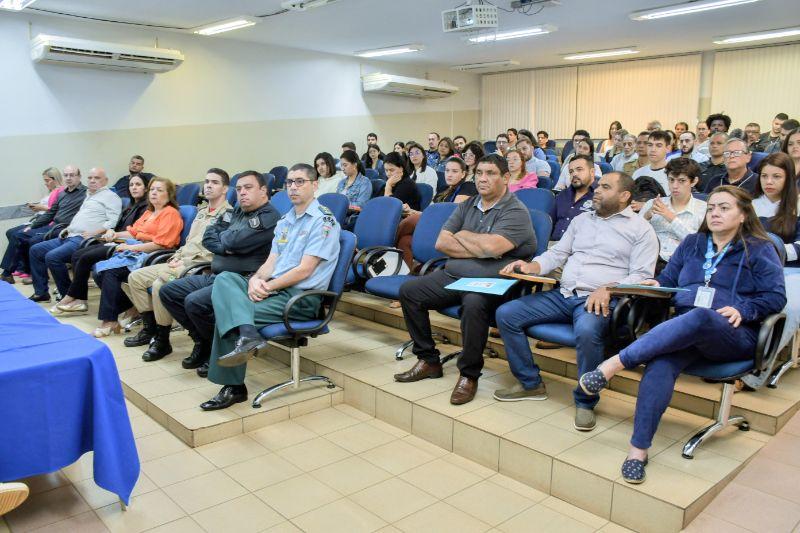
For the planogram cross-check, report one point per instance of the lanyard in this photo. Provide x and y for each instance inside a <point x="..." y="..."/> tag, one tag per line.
<point x="709" y="268"/>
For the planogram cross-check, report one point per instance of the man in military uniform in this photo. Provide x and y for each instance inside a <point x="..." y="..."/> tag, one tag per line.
<point x="240" y="241"/>
<point x="144" y="284"/>
<point x="303" y="257"/>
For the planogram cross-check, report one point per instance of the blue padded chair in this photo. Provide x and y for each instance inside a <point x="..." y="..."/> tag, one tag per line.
<point x="188" y="193"/>
<point x="372" y="174"/>
<point x="376" y="226"/>
<point x="337" y="203"/>
<point x="543" y="228"/>
<point x="270" y="179"/>
<point x="280" y="201"/>
<point x="550" y="152"/>
<point x="425" y="195"/>
<point x="441" y="183"/>
<point x="378" y="186"/>
<point x="605" y="167"/>
<point x="490" y="147"/>
<point x="700" y="196"/>
<point x="555" y="169"/>
<point x="755" y="160"/>
<point x="126" y="203"/>
<point x="232" y="199"/>
<point x="294" y="335"/>
<point x="545" y="183"/>
<point x="540" y="199"/>
<point x="280" y="176"/>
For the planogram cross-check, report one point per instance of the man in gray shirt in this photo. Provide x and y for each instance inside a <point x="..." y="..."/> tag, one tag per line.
<point x="600" y="249"/>
<point x="99" y="212"/>
<point x="484" y="234"/>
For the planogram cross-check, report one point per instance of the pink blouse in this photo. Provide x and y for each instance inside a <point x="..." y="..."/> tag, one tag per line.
<point x="53" y="196"/>
<point x="528" y="182"/>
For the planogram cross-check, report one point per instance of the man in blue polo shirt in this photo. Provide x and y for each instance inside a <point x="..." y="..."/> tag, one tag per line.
<point x="575" y="199"/>
<point x="736" y="157"/>
<point x="303" y="257"/>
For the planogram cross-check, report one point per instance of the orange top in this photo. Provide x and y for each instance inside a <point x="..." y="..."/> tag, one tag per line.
<point x="163" y="229"/>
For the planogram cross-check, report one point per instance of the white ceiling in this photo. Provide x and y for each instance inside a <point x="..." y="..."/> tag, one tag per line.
<point x="351" y="25"/>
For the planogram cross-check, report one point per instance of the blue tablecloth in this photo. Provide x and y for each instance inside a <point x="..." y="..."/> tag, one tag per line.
<point x="60" y="397"/>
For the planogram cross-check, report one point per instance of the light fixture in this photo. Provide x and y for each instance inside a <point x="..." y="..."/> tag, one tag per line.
<point x="225" y="25"/>
<point x="513" y="34"/>
<point x="758" y="36"/>
<point x="489" y="64"/>
<point x="390" y="51"/>
<point x="686" y="8"/>
<point x="601" y="53"/>
<point x="15" y="5"/>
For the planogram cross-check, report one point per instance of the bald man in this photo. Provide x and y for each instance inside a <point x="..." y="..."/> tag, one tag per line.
<point x="99" y="212"/>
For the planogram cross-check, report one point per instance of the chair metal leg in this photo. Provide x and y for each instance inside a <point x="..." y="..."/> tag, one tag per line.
<point x="791" y="363"/>
<point x="724" y="419"/>
<point x="294" y="382"/>
<point x="132" y="325"/>
<point x="398" y="355"/>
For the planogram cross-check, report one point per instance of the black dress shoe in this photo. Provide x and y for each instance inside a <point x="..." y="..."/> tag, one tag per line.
<point x="40" y="297"/>
<point x="202" y="370"/>
<point x="7" y="279"/>
<point x="200" y="354"/>
<point x="244" y="349"/>
<point x="227" y="396"/>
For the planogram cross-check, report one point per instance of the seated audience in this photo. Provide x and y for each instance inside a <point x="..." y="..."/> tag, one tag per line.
<point x="354" y="185"/>
<point x="582" y="147"/>
<point x="420" y="171"/>
<point x="302" y="257"/>
<point x="533" y="164"/>
<point x="399" y="147"/>
<point x="628" y="156"/>
<point x="326" y="170"/>
<point x="240" y="241"/>
<point x="752" y="134"/>
<point x="736" y="156"/>
<point x="349" y="146"/>
<point x="458" y="189"/>
<point x="608" y="143"/>
<point x="446" y="150"/>
<point x="788" y="127"/>
<point x="472" y="154"/>
<point x="520" y="177"/>
<point x="641" y="160"/>
<point x="543" y="140"/>
<point x="658" y="143"/>
<point x="538" y="153"/>
<point x="610" y="245"/>
<point x="713" y="169"/>
<point x="733" y="257"/>
<point x="21" y="238"/>
<point x="616" y="148"/>
<point x="718" y="123"/>
<point x="399" y="183"/>
<point x="575" y="199"/>
<point x="374" y="159"/>
<point x="135" y="168"/>
<point x="75" y="297"/>
<point x="769" y="139"/>
<point x="484" y="234"/>
<point x="460" y="142"/>
<point x="681" y="128"/>
<point x="433" y="150"/>
<point x="579" y="135"/>
<point x="501" y="143"/>
<point x="776" y="203"/>
<point x="679" y="214"/>
<point x="54" y="184"/>
<point x="686" y="143"/>
<point x="98" y="213"/>
<point x="672" y="148"/>
<point x="159" y="227"/>
<point x="513" y="136"/>
<point x="145" y="283"/>
<point x="791" y="147"/>
<point x="372" y="140"/>
<point x="653" y="125"/>
<point x="702" y="132"/>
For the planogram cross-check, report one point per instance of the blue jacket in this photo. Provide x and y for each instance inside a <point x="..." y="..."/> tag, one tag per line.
<point x="793" y="242"/>
<point x="752" y="282"/>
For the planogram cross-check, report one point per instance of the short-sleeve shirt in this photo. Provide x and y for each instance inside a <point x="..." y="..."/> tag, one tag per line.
<point x="316" y="233"/>
<point x="508" y="218"/>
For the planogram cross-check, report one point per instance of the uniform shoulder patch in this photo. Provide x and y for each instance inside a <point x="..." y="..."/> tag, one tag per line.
<point x="325" y="210"/>
<point x="254" y="222"/>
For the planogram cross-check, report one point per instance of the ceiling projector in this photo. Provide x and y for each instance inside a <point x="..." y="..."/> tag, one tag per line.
<point x="470" y="18"/>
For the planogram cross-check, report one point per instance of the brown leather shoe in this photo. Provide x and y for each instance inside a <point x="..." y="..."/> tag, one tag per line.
<point x="464" y="390"/>
<point x="420" y="370"/>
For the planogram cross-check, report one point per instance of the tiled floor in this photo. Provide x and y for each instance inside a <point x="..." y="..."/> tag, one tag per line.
<point x="335" y="470"/>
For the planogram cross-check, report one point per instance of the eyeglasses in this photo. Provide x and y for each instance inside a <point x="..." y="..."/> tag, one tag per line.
<point x="414" y="152"/>
<point x="734" y="153"/>
<point x="299" y="182"/>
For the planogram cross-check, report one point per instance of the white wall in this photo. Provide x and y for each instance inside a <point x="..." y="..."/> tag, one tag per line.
<point x="222" y="82"/>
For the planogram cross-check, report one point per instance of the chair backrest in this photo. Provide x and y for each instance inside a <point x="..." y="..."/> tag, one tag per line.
<point x="270" y="179"/>
<point x="423" y="242"/>
<point x="372" y="174"/>
<point x="425" y="195"/>
<point x="543" y="228"/>
<point x="490" y="147"/>
<point x="347" y="247"/>
<point x="377" y="223"/>
<point x="779" y="247"/>
<point x="550" y="151"/>
<point x="188" y="193"/>
<point x="700" y="196"/>
<point x="541" y="199"/>
<point x="280" y="201"/>
<point x="232" y="198"/>
<point x="188" y="214"/>
<point x="605" y="167"/>
<point x="544" y="183"/>
<point x="337" y="203"/>
<point x="377" y="187"/>
<point x="555" y="169"/>
<point x="126" y="202"/>
<point x="441" y="183"/>
<point x="755" y="160"/>
<point x="280" y="176"/>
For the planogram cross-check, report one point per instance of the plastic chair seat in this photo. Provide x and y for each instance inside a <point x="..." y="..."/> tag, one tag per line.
<point x="452" y="311"/>
<point x="387" y="286"/>
<point x="563" y="334"/>
<point x="274" y="331"/>
<point x="708" y="369"/>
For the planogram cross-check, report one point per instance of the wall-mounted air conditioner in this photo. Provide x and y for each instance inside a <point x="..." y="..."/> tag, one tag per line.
<point x="108" y="56"/>
<point x="403" y="86"/>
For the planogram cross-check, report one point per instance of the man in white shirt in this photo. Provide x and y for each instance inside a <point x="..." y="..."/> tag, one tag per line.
<point x="627" y="155"/>
<point x="608" y="246"/>
<point x="658" y="143"/>
<point x="686" y="144"/>
<point x="679" y="214"/>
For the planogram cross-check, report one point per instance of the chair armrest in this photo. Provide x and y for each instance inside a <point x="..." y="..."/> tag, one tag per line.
<point x="360" y="258"/>
<point x="91" y="241"/>
<point x="110" y="250"/>
<point x="534" y="279"/>
<point x="370" y="258"/>
<point x="769" y="337"/>
<point x="432" y="265"/>
<point x="617" y="291"/>
<point x="195" y="269"/>
<point x="53" y="232"/>
<point x="328" y="315"/>
<point x="159" y="256"/>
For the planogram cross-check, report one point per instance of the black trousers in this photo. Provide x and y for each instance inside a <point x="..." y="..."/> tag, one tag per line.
<point x="83" y="260"/>
<point x="419" y="295"/>
<point x="113" y="299"/>
<point x="188" y="300"/>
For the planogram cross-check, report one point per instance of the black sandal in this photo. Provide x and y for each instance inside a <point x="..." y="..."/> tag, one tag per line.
<point x="633" y="470"/>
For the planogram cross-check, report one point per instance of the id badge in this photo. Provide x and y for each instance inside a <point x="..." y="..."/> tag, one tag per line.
<point x="704" y="297"/>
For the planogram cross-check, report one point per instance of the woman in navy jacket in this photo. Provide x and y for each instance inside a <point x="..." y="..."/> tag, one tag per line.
<point x="735" y="280"/>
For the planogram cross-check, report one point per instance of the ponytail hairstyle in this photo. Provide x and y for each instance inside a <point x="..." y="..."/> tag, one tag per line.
<point x="351" y="157"/>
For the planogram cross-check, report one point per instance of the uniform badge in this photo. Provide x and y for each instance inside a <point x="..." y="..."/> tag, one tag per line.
<point x="284" y="237"/>
<point x="254" y="222"/>
<point x="328" y="221"/>
<point x="227" y="217"/>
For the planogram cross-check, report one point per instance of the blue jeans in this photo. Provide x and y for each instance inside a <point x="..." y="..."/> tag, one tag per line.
<point x="19" y="242"/>
<point x="54" y="255"/>
<point x="668" y="349"/>
<point x="550" y="307"/>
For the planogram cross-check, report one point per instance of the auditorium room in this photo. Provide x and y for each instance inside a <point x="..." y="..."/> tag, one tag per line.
<point x="418" y="266"/>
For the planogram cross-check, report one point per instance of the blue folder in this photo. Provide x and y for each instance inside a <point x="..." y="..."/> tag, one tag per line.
<point x="494" y="286"/>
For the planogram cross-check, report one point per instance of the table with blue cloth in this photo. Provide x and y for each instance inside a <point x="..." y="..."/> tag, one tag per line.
<point x="60" y="397"/>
